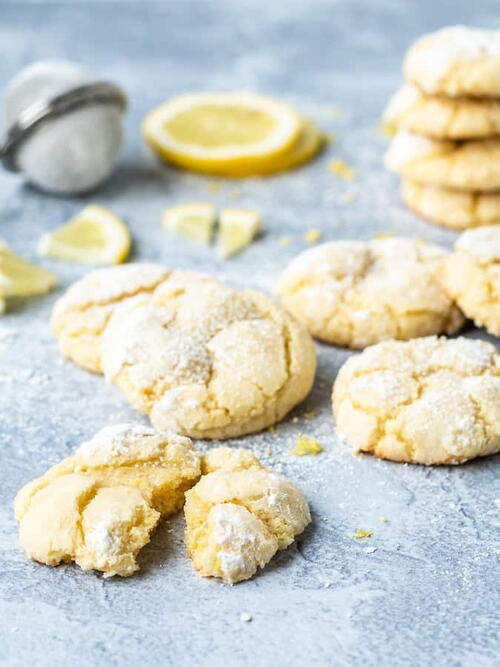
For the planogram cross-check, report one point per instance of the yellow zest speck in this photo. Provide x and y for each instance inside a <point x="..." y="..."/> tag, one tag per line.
<point x="361" y="533"/>
<point x="349" y="197"/>
<point x="214" y="187"/>
<point x="342" y="169"/>
<point x="310" y="415"/>
<point x="383" y="235"/>
<point x="267" y="452"/>
<point x="387" y="130"/>
<point x="284" y="241"/>
<point x="382" y="519"/>
<point x="306" y="446"/>
<point x="312" y="235"/>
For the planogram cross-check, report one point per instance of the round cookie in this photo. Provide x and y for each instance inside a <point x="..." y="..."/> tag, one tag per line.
<point x="206" y="360"/>
<point x="471" y="276"/>
<point x="355" y="293"/>
<point x="442" y="117"/>
<point x="429" y="400"/>
<point x="99" y="506"/>
<point x="239" y="515"/>
<point x="452" y="208"/>
<point x="469" y="165"/>
<point x="456" y="61"/>
<point x="81" y="314"/>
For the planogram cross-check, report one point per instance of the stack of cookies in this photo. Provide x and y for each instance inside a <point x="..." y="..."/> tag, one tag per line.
<point x="447" y="118"/>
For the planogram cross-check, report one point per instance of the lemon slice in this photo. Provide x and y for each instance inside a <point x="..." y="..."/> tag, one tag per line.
<point x="308" y="143"/>
<point x="21" y="278"/>
<point x="221" y="133"/>
<point x="196" y="221"/>
<point x="237" y="229"/>
<point x="94" y="236"/>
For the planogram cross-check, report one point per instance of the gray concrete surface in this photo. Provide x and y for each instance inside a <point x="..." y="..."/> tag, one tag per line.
<point x="423" y="590"/>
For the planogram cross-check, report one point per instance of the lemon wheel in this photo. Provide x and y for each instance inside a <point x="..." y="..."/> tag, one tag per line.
<point x="222" y="133"/>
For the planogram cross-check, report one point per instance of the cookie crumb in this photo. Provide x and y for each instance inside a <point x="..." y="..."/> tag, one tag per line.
<point x="349" y="197"/>
<point x="342" y="169"/>
<point x="306" y="446"/>
<point x="361" y="533"/>
<point x="312" y="235"/>
<point x="284" y="241"/>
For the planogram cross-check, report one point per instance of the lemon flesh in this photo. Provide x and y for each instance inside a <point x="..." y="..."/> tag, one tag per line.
<point x="195" y="221"/>
<point x="21" y="278"/>
<point x="94" y="236"/>
<point x="237" y="229"/>
<point x="221" y="133"/>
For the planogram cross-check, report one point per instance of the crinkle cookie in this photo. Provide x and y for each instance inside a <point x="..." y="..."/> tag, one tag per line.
<point x="355" y="293"/>
<point x="206" y="360"/>
<point x="81" y="314"/>
<point x="456" y="61"/>
<point x="99" y="506"/>
<point x="452" y="208"/>
<point x="468" y="165"/>
<point x="239" y="515"/>
<point x="443" y="117"/>
<point x="471" y="276"/>
<point x="428" y="400"/>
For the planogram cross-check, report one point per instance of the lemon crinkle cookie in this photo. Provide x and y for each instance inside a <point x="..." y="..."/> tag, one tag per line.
<point x="80" y="316"/>
<point x="239" y="515"/>
<point x="467" y="165"/>
<point x="356" y="293"/>
<point x="471" y="276"/>
<point x="206" y="360"/>
<point x="452" y="208"/>
<point x="99" y="506"/>
<point x="428" y="400"/>
<point x="442" y="117"/>
<point x="456" y="61"/>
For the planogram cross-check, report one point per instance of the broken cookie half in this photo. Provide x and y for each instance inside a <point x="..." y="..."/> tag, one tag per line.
<point x="239" y="515"/>
<point x="99" y="506"/>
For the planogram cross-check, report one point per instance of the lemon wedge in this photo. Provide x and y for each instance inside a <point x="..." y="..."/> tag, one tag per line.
<point x="237" y="229"/>
<point x="94" y="236"/>
<point x="196" y="221"/>
<point x="222" y="133"/>
<point x="21" y="278"/>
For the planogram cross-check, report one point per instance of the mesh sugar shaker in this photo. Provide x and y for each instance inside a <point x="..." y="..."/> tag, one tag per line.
<point x="63" y="127"/>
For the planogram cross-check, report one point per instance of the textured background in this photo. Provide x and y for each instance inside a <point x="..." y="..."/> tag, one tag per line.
<point x="426" y="595"/>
